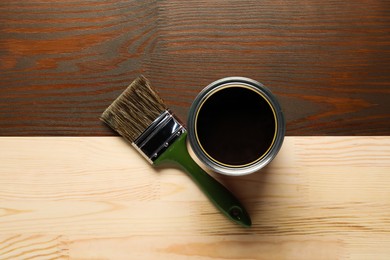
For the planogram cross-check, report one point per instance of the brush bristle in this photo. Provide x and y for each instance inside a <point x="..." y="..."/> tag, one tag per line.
<point x="134" y="110"/>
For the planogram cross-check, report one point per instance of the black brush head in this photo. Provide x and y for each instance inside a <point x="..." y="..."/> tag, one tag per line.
<point x="134" y="110"/>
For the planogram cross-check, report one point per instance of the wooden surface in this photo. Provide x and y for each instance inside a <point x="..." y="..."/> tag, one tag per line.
<point x="63" y="62"/>
<point x="96" y="198"/>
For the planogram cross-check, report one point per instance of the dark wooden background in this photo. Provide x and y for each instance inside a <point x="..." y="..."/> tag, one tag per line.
<point x="63" y="62"/>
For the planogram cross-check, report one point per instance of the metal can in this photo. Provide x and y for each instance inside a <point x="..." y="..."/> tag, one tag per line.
<point x="235" y="126"/>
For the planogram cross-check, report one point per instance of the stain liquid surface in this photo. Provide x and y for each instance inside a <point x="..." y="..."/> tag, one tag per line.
<point x="235" y="126"/>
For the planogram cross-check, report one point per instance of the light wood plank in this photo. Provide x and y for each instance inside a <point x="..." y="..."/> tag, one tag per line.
<point x="96" y="198"/>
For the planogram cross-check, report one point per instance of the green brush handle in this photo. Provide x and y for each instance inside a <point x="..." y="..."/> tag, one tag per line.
<point x="222" y="198"/>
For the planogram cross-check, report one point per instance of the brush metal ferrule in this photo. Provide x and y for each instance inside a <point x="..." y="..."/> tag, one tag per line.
<point x="158" y="136"/>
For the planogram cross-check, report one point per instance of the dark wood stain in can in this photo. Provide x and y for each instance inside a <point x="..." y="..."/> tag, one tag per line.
<point x="235" y="126"/>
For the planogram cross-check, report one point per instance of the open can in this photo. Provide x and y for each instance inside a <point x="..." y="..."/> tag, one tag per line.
<point x="235" y="126"/>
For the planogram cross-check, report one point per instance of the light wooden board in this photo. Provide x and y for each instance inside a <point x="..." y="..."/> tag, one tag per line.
<point x="96" y="198"/>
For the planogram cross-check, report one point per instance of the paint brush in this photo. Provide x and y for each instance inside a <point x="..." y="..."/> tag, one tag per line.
<point x="140" y="116"/>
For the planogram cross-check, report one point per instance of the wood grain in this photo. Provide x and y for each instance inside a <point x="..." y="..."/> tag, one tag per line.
<point x="63" y="62"/>
<point x="96" y="198"/>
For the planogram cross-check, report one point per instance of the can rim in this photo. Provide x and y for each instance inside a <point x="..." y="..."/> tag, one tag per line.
<point x="266" y="157"/>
